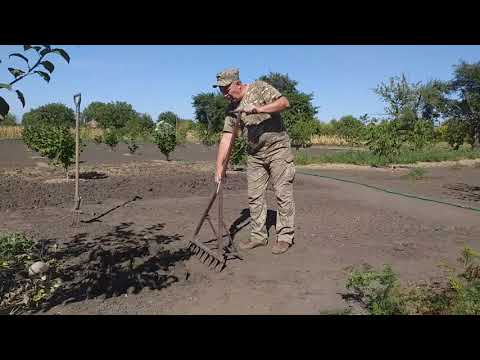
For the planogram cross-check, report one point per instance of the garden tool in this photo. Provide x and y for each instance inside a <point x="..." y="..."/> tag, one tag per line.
<point x="216" y="257"/>
<point x="77" y="98"/>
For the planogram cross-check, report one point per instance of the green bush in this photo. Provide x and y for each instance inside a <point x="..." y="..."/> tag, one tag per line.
<point x="164" y="136"/>
<point x="377" y="290"/>
<point x="384" y="139"/>
<point x="301" y="133"/>
<point x="421" y="135"/>
<point x="458" y="294"/>
<point x="51" y="114"/>
<point x="349" y="128"/>
<point x="456" y="133"/>
<point x="110" y="138"/>
<point x="207" y="138"/>
<point x="130" y="140"/>
<point x="239" y="151"/>
<point x="98" y="139"/>
<point x="13" y="244"/>
<point x="56" y="143"/>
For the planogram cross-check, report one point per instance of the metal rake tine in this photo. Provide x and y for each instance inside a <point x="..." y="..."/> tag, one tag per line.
<point x="212" y="261"/>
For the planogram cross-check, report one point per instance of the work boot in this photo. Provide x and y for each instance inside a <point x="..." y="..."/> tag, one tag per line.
<point x="280" y="247"/>
<point x="250" y="244"/>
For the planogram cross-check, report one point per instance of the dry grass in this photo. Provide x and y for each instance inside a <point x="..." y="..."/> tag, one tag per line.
<point x="328" y="140"/>
<point x="11" y="132"/>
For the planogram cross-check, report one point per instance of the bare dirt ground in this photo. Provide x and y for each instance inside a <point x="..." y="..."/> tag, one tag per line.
<point x="133" y="260"/>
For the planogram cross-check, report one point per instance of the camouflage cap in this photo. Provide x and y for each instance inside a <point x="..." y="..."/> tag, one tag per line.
<point x="226" y="77"/>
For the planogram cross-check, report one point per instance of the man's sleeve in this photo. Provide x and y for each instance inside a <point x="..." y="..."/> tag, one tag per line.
<point x="270" y="94"/>
<point x="228" y="125"/>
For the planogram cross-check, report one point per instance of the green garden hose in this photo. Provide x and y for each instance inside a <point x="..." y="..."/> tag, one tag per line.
<point x="389" y="191"/>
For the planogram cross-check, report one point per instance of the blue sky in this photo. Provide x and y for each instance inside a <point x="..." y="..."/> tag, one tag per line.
<point x="159" y="78"/>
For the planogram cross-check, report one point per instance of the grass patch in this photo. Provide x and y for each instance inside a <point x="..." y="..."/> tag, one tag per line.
<point x="380" y="293"/>
<point x="18" y="290"/>
<point x="355" y="157"/>
<point x="417" y="173"/>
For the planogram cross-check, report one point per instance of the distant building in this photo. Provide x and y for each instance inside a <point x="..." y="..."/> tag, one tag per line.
<point x="92" y="124"/>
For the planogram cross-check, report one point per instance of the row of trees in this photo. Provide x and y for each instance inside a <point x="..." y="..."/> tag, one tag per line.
<point x="418" y="114"/>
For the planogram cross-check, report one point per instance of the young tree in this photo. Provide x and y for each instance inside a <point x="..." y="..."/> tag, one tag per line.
<point x="164" y="134"/>
<point x="464" y="100"/>
<point x="350" y="128"/>
<point x="110" y="115"/>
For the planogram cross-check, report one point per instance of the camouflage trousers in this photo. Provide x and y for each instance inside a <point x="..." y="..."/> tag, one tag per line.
<point x="280" y="170"/>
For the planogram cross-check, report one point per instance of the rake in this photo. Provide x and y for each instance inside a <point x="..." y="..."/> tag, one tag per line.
<point x="216" y="257"/>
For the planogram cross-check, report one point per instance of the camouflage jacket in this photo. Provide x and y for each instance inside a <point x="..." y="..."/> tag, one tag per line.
<point x="263" y="133"/>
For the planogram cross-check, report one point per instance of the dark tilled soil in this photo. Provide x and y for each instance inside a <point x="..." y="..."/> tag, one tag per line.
<point x="133" y="258"/>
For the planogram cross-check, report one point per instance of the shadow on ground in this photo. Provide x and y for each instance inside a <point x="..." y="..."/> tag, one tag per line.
<point x="119" y="262"/>
<point x="244" y="220"/>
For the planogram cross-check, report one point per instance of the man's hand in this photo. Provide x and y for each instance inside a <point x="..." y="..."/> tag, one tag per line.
<point x="218" y="176"/>
<point x="250" y="109"/>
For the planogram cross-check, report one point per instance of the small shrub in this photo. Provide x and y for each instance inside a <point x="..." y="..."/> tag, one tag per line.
<point x="377" y="290"/>
<point x="384" y="139"/>
<point x="421" y="135"/>
<point x="164" y="136"/>
<point x="57" y="143"/>
<point x="458" y="294"/>
<point x="130" y="140"/>
<point x="456" y="132"/>
<point x="239" y="151"/>
<point x="301" y="133"/>
<point x="111" y="138"/>
<point x="98" y="139"/>
<point x="13" y="244"/>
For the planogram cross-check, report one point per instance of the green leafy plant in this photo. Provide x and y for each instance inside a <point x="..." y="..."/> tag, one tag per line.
<point x="417" y="173"/>
<point x="130" y="140"/>
<point x="19" y="290"/>
<point x="457" y="294"/>
<point x="13" y="244"/>
<point x="164" y="137"/>
<point x="239" y="151"/>
<point x="56" y="143"/>
<point x="384" y="139"/>
<point x="111" y="138"/>
<point x="30" y="68"/>
<point x="377" y="290"/>
<point x="301" y="133"/>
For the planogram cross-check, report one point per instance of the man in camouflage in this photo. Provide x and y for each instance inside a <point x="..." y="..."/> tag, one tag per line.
<point x="269" y="156"/>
